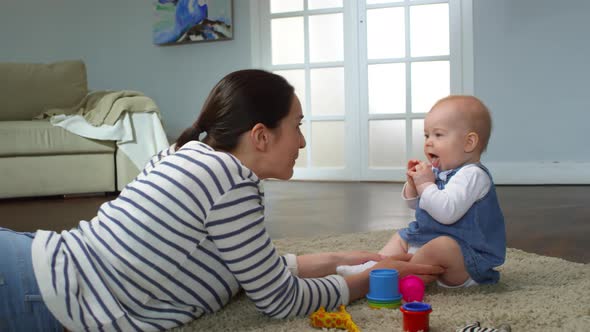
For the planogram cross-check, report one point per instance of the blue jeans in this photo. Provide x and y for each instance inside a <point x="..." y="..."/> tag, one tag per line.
<point x="21" y="305"/>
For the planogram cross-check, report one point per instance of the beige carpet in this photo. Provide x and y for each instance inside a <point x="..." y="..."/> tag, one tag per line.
<point x="536" y="293"/>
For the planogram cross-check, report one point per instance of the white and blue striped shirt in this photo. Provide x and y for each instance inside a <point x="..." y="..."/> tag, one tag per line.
<point x="178" y="242"/>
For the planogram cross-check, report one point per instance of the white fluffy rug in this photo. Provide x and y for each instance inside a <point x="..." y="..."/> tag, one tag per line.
<point x="535" y="293"/>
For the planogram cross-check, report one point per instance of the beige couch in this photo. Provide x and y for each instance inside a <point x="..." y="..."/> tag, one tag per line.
<point x="38" y="159"/>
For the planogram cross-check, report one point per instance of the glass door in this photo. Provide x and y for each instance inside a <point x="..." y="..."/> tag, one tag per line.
<point x="405" y="67"/>
<point x="366" y="72"/>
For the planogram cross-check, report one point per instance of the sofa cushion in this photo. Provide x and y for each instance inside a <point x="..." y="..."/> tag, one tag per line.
<point x="28" y="89"/>
<point x="56" y="175"/>
<point x="29" y="138"/>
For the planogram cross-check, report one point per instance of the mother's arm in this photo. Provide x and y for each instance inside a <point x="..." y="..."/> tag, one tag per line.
<point x="322" y="264"/>
<point x="235" y="225"/>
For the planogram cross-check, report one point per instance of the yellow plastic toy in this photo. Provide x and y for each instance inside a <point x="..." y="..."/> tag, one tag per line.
<point x="338" y="320"/>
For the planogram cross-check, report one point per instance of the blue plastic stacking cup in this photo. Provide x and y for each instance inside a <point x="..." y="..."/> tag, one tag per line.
<point x="383" y="285"/>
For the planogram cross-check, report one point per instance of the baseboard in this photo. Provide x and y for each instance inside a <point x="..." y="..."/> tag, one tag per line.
<point x="540" y="173"/>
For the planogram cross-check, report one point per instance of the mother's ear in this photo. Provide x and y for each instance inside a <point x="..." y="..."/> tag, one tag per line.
<point x="259" y="134"/>
<point x="471" y="142"/>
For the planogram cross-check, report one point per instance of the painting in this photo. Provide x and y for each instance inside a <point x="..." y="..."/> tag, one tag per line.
<point x="190" y="21"/>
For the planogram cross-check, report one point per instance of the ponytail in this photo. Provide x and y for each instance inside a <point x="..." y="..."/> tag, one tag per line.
<point x="192" y="133"/>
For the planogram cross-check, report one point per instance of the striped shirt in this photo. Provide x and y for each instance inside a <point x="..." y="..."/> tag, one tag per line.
<point x="178" y="242"/>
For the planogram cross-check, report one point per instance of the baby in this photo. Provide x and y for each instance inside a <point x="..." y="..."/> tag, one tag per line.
<point x="459" y="224"/>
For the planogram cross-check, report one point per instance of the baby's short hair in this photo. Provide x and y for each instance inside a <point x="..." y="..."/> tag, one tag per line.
<point x="476" y="114"/>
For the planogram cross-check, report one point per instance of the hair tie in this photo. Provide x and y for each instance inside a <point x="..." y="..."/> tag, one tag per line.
<point x="197" y="129"/>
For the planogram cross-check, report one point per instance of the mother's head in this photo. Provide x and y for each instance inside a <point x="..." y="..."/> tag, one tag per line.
<point x="254" y="115"/>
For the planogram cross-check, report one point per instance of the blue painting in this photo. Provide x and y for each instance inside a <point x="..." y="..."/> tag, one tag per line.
<point x="189" y="21"/>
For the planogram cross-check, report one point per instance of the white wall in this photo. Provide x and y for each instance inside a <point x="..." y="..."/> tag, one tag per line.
<point x="114" y="38"/>
<point x="532" y="66"/>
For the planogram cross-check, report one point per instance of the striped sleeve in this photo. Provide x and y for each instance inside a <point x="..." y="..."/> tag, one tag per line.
<point x="155" y="159"/>
<point x="236" y="226"/>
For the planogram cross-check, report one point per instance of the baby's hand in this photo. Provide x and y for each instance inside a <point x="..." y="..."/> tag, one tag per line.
<point x="422" y="176"/>
<point x="411" y="186"/>
<point x="412" y="164"/>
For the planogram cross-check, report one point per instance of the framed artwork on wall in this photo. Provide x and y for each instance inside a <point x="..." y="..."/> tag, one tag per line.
<point x="191" y="21"/>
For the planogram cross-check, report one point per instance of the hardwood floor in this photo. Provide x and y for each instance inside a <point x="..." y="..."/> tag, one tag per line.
<point x="548" y="220"/>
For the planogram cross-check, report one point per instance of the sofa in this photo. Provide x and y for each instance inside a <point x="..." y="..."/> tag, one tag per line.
<point x="39" y="159"/>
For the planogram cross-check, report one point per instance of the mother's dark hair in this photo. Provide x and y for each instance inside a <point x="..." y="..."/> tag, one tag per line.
<point x="236" y="104"/>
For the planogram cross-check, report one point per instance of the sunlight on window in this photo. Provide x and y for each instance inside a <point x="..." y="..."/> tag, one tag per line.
<point x="429" y="30"/>
<point x="430" y="82"/>
<point x="366" y="72"/>
<point x="387" y="88"/>
<point x="326" y="41"/>
<point x="387" y="147"/>
<point x="296" y="78"/>
<point x="287" y="40"/>
<point x="378" y="2"/>
<point x="327" y="91"/>
<point x="284" y="6"/>
<point x="327" y="139"/>
<point x="321" y="4"/>
<point x="385" y="33"/>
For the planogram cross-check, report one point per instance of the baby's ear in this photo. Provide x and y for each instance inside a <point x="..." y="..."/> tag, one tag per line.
<point x="471" y="142"/>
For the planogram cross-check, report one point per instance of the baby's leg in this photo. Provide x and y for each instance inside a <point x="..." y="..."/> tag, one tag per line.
<point x="446" y="252"/>
<point x="395" y="246"/>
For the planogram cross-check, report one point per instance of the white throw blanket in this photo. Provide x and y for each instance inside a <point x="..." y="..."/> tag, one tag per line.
<point x="139" y="135"/>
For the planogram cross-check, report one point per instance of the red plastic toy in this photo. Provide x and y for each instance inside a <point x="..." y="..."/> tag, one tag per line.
<point x="416" y="316"/>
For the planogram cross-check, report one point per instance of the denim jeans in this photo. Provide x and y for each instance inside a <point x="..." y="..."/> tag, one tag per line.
<point x="21" y="305"/>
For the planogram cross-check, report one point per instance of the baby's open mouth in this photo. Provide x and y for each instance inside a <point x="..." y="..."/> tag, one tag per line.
<point x="434" y="160"/>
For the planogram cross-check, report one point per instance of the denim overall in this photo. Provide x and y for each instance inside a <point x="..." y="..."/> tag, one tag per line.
<point x="480" y="232"/>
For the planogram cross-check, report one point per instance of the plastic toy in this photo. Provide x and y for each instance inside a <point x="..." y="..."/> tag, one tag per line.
<point x="412" y="288"/>
<point x="335" y="320"/>
<point x="416" y="316"/>
<point x="475" y="327"/>
<point x="383" y="289"/>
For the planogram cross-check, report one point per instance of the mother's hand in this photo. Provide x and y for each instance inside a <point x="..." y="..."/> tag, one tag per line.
<point x="356" y="257"/>
<point x="323" y="264"/>
<point x="404" y="267"/>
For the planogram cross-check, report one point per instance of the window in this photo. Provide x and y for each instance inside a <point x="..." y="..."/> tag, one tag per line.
<point x="366" y="72"/>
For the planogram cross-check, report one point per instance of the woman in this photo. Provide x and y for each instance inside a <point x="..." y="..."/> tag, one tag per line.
<point x="188" y="233"/>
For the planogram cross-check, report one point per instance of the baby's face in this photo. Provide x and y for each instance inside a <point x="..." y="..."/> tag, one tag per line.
<point x="445" y="133"/>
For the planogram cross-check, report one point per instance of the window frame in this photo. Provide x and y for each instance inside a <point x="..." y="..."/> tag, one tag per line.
<point x="355" y="64"/>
